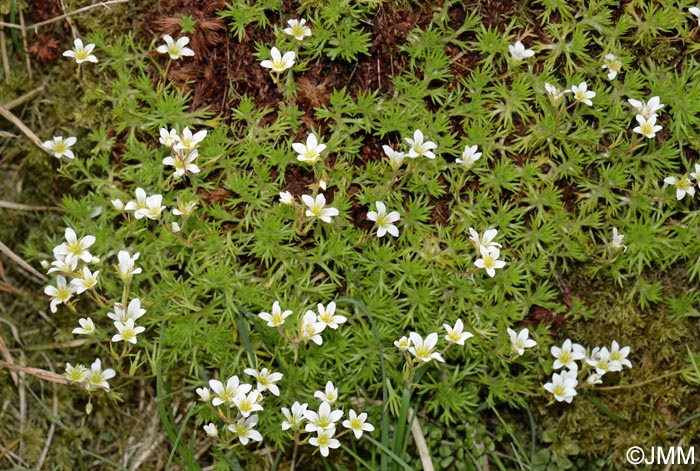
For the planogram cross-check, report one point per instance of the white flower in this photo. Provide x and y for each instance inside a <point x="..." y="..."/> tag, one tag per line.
<point x="139" y="206"/>
<point x="683" y="186"/>
<point x="613" y="65"/>
<point x="594" y="378"/>
<point x="325" y="419"/>
<point x="266" y="380"/>
<point x="87" y="327"/>
<point x="183" y="163"/>
<point x="330" y="395"/>
<point x="601" y="361"/>
<point x="88" y="281"/>
<point x="247" y="404"/>
<point x="286" y="198"/>
<point x="211" y="430"/>
<point x="485" y="241"/>
<point x="520" y="341"/>
<point x="648" y="109"/>
<point x="420" y="148"/>
<point x="176" y="50"/>
<point x="489" y="260"/>
<point x="298" y="29"/>
<point x="617" y="240"/>
<point x="518" y="51"/>
<point x="168" y="138"/>
<point x="324" y="440"/>
<point x="403" y="344"/>
<point x="385" y="222"/>
<point x="582" y="94"/>
<point x="127" y="265"/>
<point x="60" y="293"/>
<point x="127" y="331"/>
<point x="647" y="126"/>
<point x="63" y="264"/>
<point x="327" y="316"/>
<point x="317" y="208"/>
<point x="153" y="207"/>
<point x="277" y="317"/>
<point x="695" y="11"/>
<point x="243" y="429"/>
<point x="357" y="423"/>
<point x="227" y="394"/>
<point x="423" y="349"/>
<point x="310" y="328"/>
<point x="76" y="374"/>
<point x="620" y="354"/>
<point x="696" y="174"/>
<point x="455" y="334"/>
<point x="279" y="63"/>
<point x="74" y="248"/>
<point x="60" y="147"/>
<point x="133" y="311"/>
<point x="567" y="355"/>
<point x="188" y="142"/>
<point x="309" y="152"/>
<point x="185" y="209"/>
<point x="395" y="157"/>
<point x="81" y="53"/>
<point x="293" y="419"/>
<point x="96" y="377"/>
<point x="562" y="387"/>
<point x="118" y="205"/>
<point x="553" y="92"/>
<point x="204" y="394"/>
<point x="469" y="157"/>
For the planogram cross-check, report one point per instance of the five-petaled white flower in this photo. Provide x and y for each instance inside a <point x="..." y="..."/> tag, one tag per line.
<point x="324" y="441"/>
<point x="395" y="157"/>
<point x="127" y="331"/>
<point x="76" y="374"/>
<point x="176" y="49"/>
<point x="73" y="248"/>
<point x="88" y="281"/>
<point x="266" y="380"/>
<point x="317" y="208"/>
<point x="617" y="240"/>
<point x="81" y="53"/>
<point x="567" y="355"/>
<point x="582" y="94"/>
<point x="620" y="354"/>
<point x="324" y="419"/>
<point x="294" y="418"/>
<point x="384" y="221"/>
<point x="403" y="344"/>
<point x="456" y="334"/>
<point x="153" y="207"/>
<point x="419" y="147"/>
<point x="647" y="126"/>
<point x="277" y="317"/>
<point x="683" y="186"/>
<point x="286" y="198"/>
<point x="279" y="63"/>
<point x="226" y="394"/>
<point x="248" y="403"/>
<point x="613" y="65"/>
<point x="518" y="51"/>
<point x="298" y="29"/>
<point x="139" y="206"/>
<point x="423" y="349"/>
<point x="554" y="93"/>
<point x="243" y="429"/>
<point x="328" y="317"/>
<point x="489" y="260"/>
<point x="329" y="395"/>
<point x="469" y="157"/>
<point x="310" y="328"/>
<point x="357" y="423"/>
<point x="601" y="361"/>
<point x="562" y="386"/>
<point x="188" y="142"/>
<point x="183" y="163"/>
<point x="61" y="293"/>
<point x="520" y="341"/>
<point x="168" y="138"/>
<point x="309" y="152"/>
<point x="204" y="394"/>
<point x="60" y="147"/>
<point x="87" y="327"/>
<point x="485" y="241"/>
<point x="126" y="267"/>
<point x="97" y="377"/>
<point x="132" y="311"/>
<point x="647" y="109"/>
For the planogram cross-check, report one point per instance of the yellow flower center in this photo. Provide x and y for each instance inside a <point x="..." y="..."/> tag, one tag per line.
<point x="324" y="440"/>
<point x="559" y="390"/>
<point x="356" y="423"/>
<point x="489" y="262"/>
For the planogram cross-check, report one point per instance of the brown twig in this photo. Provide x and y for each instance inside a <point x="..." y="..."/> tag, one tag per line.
<point x="3" y="52"/>
<point x="26" y="207"/>
<point x="7" y="251"/>
<point x="65" y="15"/>
<point x="7" y="114"/>
<point x="52" y="428"/>
<point x="421" y="444"/>
<point x="26" y="97"/>
<point x="25" y="46"/>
